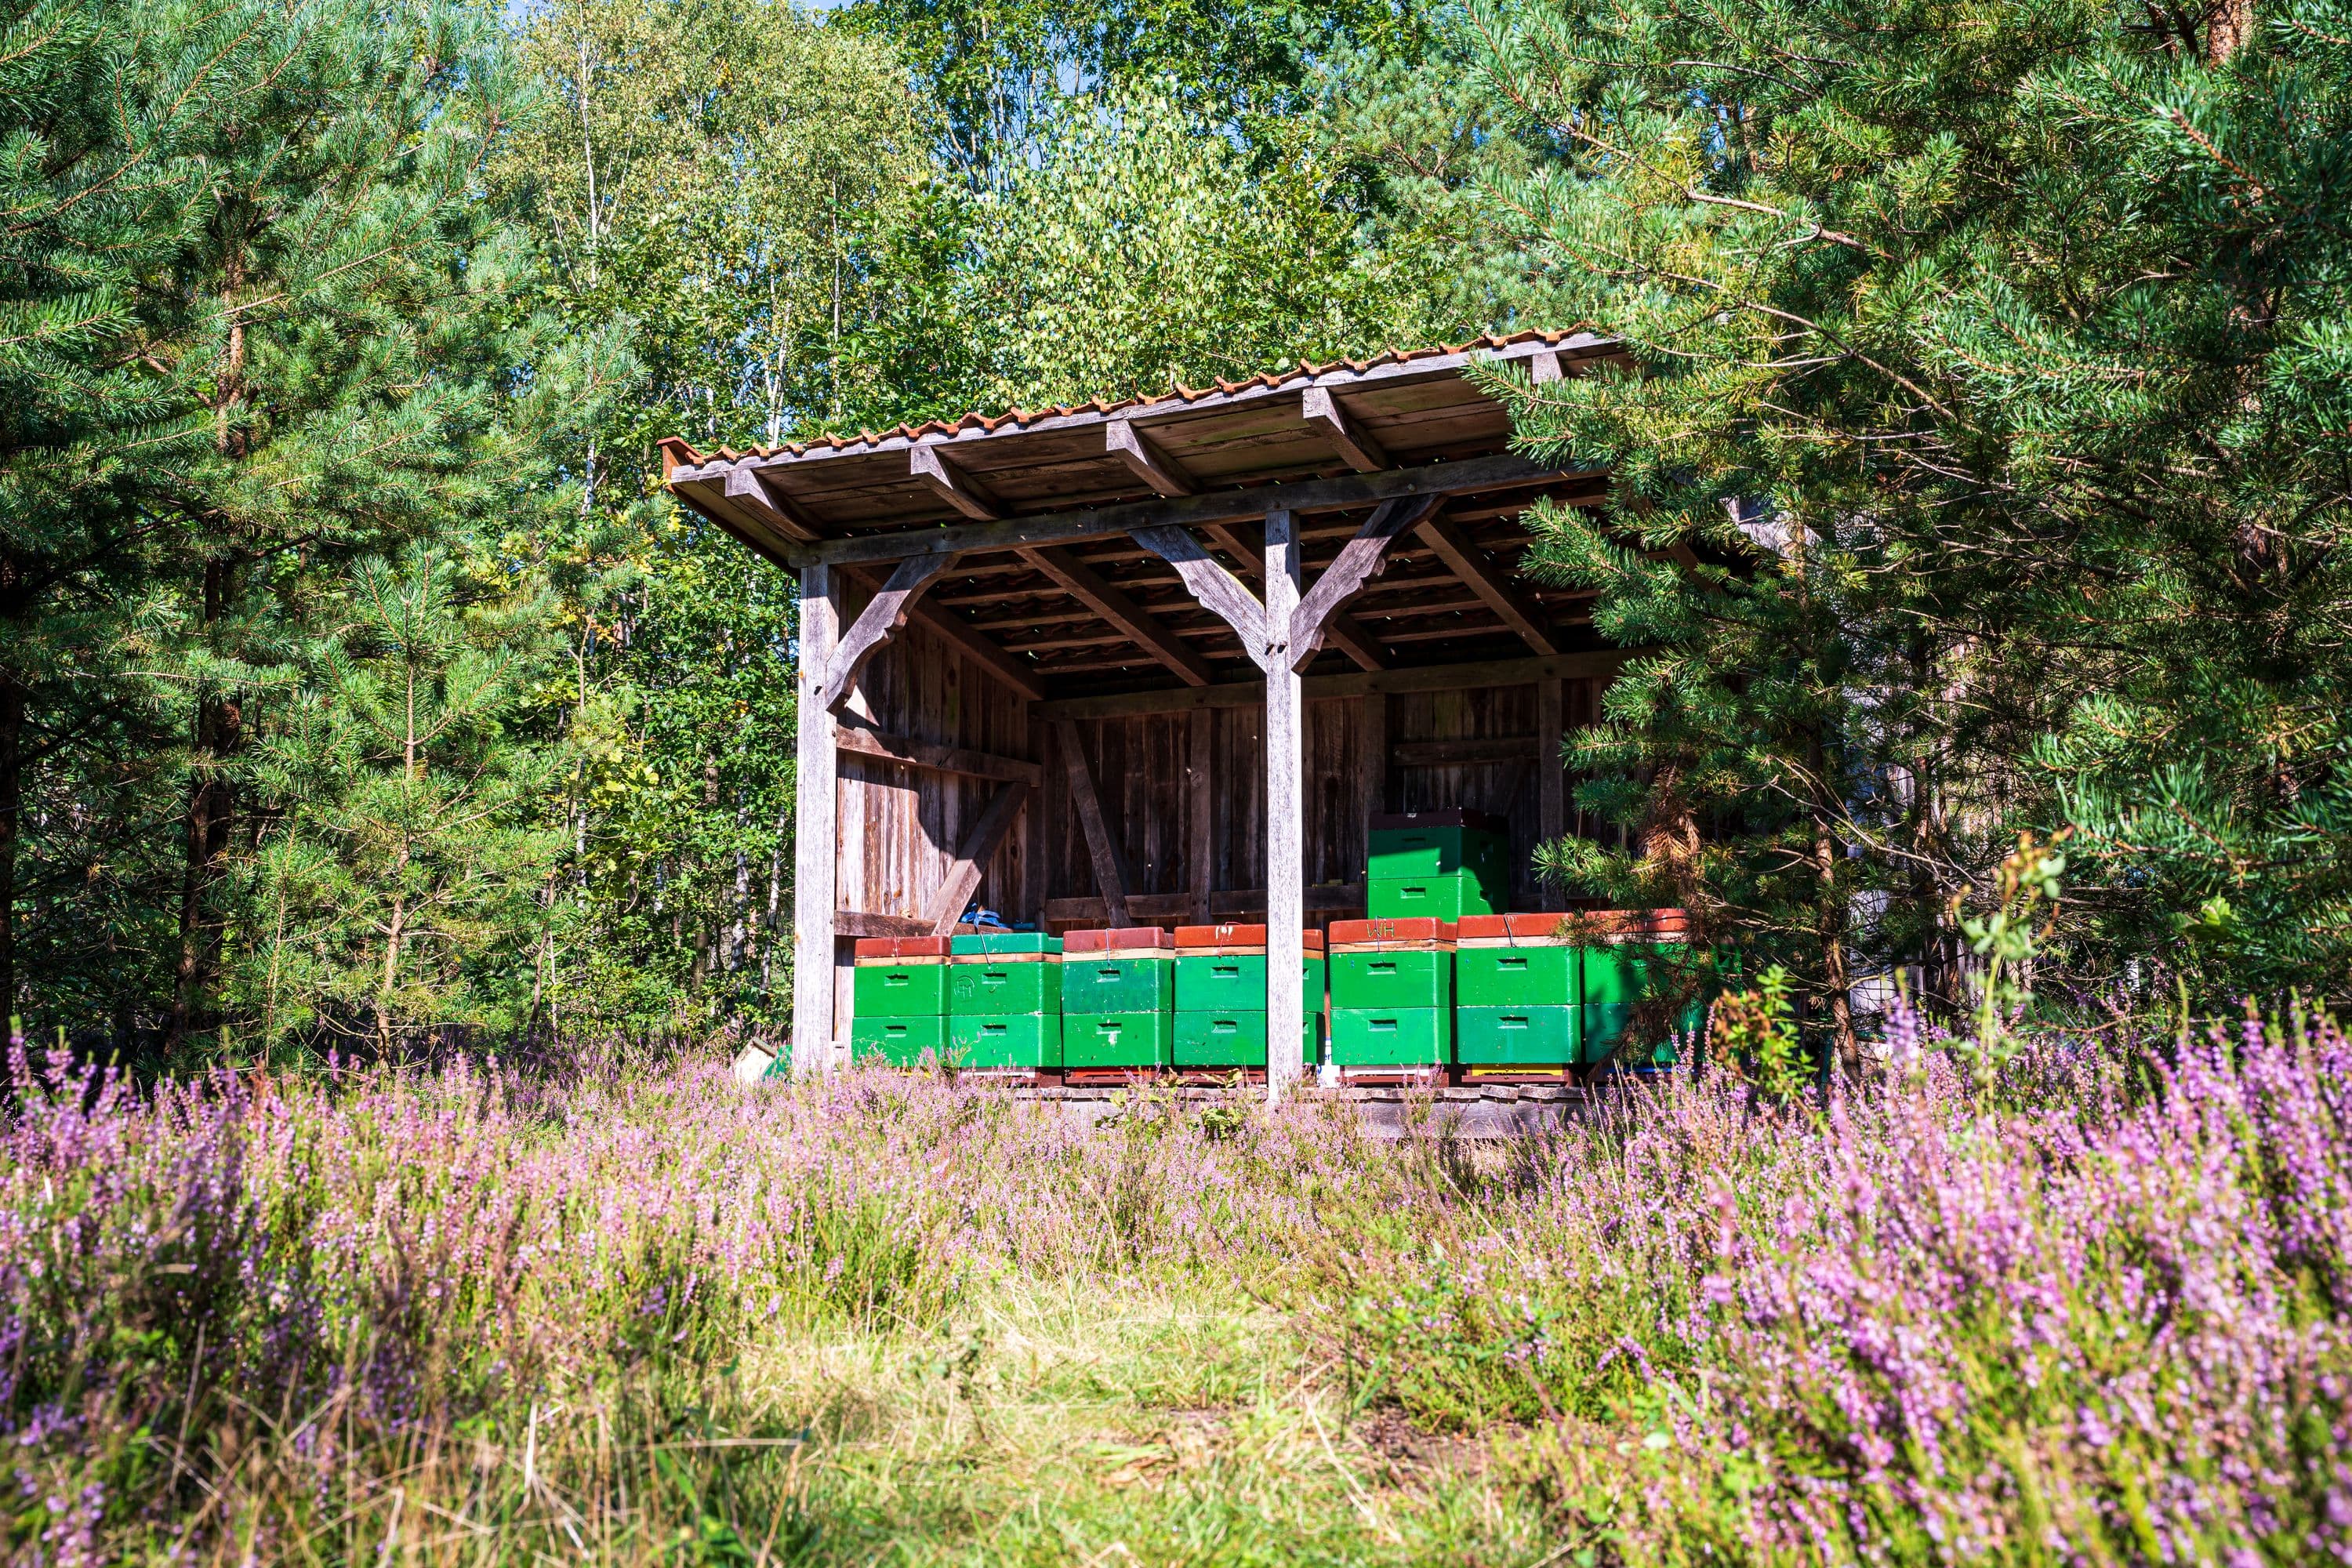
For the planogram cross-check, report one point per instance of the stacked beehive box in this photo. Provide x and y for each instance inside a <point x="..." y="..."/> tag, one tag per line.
<point x="1436" y="865"/>
<point x="1220" y="997"/>
<point x="1118" y="1000"/>
<point x="899" y="993"/>
<point x="1625" y="973"/>
<point x="1520" y="994"/>
<point x="1004" y="1001"/>
<point x="1391" y="996"/>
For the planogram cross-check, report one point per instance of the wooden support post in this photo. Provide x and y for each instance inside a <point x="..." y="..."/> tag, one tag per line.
<point x="1285" y="871"/>
<point x="1200" y="799"/>
<point x="816" y="831"/>
<point x="971" y="861"/>
<point x="1551" y="778"/>
<point x="1341" y="630"/>
<point x="1110" y="877"/>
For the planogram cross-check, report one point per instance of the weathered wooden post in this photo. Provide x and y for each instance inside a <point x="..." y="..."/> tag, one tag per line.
<point x="816" y="828"/>
<point x="1285" y="875"/>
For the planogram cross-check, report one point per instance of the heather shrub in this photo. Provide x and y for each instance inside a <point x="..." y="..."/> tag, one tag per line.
<point x="2089" y="1303"/>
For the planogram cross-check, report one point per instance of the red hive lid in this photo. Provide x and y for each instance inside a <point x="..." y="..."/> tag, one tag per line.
<point x="1624" y="925"/>
<point x="1526" y="927"/>
<point x="1115" y="939"/>
<point x="902" y="947"/>
<point x="1392" y="932"/>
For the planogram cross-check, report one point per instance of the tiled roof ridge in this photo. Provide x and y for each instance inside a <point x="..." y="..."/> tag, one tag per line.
<point x="990" y="424"/>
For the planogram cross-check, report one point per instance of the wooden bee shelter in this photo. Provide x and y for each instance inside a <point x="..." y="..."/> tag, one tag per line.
<point x="1161" y="661"/>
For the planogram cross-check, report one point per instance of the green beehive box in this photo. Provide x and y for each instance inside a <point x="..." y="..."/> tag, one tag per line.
<point x="1392" y="978"/>
<point x="1444" y="898"/>
<point x="900" y="1041"/>
<point x="1405" y="1037"/>
<point x="1117" y="986"/>
<point x="1235" y="1039"/>
<point x="1024" y="1040"/>
<point x="1519" y="976"/>
<point x="899" y="989"/>
<point x="1418" y="847"/>
<point x="1012" y="987"/>
<point x="1002" y="944"/>
<point x="1517" y="1036"/>
<point x="1235" y="983"/>
<point x="1119" y="1040"/>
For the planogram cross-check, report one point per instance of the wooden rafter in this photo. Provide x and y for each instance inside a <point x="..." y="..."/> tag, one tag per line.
<point x="883" y="615"/>
<point x="1600" y="664"/>
<point x="956" y="489"/>
<point x="1146" y="460"/>
<point x="753" y="491"/>
<point x="1478" y="575"/>
<point x="1145" y="630"/>
<point x="1352" y="442"/>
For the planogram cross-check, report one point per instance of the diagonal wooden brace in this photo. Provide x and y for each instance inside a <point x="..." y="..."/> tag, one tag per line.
<point x="1212" y="586"/>
<point x="881" y="617"/>
<point x="1362" y="558"/>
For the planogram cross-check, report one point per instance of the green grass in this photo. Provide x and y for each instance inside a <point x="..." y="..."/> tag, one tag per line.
<point x="1086" y="1425"/>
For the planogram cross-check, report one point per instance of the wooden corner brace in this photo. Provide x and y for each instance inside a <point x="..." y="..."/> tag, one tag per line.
<point x="1362" y="558"/>
<point x="882" y="616"/>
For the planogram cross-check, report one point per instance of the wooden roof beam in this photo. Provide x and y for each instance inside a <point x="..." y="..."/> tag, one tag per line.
<point x="1145" y="630"/>
<point x="1353" y="442"/>
<point x="751" y="491"/>
<point x="1122" y="440"/>
<point x="956" y="489"/>
<point x="1478" y="575"/>
<point x="1500" y="470"/>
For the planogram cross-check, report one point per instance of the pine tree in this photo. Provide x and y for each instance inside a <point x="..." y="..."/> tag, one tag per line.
<point x="348" y="304"/>
<point x="1987" y="466"/>
<point x="398" y="890"/>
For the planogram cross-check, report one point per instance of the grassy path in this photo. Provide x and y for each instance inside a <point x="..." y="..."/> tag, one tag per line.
<point x="1069" y="1427"/>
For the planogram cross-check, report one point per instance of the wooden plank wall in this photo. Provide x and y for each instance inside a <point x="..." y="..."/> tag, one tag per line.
<point x="1141" y="766"/>
<point x="901" y="826"/>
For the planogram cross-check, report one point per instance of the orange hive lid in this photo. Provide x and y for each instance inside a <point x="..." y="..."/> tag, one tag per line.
<point x="1400" y="928"/>
<point x="1110" y="938"/>
<point x="902" y="947"/>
